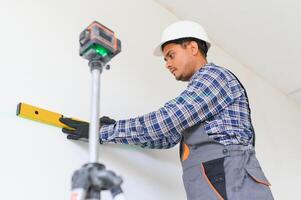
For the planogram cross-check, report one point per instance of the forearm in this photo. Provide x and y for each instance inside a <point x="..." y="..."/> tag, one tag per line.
<point x="164" y="143"/>
<point x="140" y="131"/>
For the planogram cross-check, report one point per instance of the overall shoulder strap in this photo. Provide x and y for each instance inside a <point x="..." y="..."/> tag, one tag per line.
<point x="253" y="140"/>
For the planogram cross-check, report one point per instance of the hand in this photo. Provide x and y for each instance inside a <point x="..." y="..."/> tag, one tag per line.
<point x="81" y="129"/>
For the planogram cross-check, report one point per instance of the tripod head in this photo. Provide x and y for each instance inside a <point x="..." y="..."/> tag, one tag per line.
<point x="98" y="42"/>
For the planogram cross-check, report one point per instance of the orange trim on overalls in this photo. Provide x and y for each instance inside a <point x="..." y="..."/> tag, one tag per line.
<point x="186" y="152"/>
<point x="259" y="181"/>
<point x="210" y="184"/>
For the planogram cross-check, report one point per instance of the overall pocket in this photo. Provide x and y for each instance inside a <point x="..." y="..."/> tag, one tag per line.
<point x="254" y="170"/>
<point x="206" y="181"/>
<point x="214" y="174"/>
<point x="255" y="185"/>
<point x="258" y="176"/>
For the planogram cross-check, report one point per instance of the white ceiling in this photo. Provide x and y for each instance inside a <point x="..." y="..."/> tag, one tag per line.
<point x="263" y="35"/>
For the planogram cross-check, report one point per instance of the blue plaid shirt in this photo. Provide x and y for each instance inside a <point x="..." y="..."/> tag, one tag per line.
<point x="213" y="97"/>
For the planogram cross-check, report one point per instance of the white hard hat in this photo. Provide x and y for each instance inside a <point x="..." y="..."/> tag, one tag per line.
<point x="182" y="29"/>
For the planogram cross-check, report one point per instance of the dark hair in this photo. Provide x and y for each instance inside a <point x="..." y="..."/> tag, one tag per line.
<point x="201" y="44"/>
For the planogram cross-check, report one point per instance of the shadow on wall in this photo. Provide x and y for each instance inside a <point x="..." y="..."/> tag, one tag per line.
<point x="168" y="156"/>
<point x="159" y="165"/>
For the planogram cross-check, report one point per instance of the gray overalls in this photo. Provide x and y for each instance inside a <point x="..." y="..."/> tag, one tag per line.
<point x="214" y="171"/>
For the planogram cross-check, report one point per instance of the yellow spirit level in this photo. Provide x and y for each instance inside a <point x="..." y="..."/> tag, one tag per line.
<point x="41" y="115"/>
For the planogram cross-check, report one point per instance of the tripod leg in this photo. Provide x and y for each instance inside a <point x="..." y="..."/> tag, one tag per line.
<point x="78" y="194"/>
<point x="93" y="194"/>
<point x="117" y="193"/>
<point x="80" y="183"/>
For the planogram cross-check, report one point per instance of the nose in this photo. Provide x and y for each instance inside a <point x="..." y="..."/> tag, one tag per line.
<point x="168" y="65"/>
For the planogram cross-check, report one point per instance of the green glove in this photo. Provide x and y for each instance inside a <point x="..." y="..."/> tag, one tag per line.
<point x="81" y="129"/>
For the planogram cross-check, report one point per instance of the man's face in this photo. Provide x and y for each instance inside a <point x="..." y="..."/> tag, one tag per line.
<point x="179" y="61"/>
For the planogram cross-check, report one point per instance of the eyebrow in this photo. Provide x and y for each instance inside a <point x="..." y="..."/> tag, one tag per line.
<point x="169" y="51"/>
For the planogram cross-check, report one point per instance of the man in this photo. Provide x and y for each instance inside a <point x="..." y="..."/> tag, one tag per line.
<point x="211" y="118"/>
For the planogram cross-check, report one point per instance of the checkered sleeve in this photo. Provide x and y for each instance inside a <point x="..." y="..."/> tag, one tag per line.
<point x="206" y="95"/>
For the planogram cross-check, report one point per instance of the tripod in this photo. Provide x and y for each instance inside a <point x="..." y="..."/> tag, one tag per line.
<point x="99" y="45"/>
<point x="92" y="178"/>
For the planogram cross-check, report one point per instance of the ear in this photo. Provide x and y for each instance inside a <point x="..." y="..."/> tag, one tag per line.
<point x="194" y="48"/>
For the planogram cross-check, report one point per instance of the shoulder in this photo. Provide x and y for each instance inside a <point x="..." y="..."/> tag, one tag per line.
<point x="211" y="72"/>
<point x="224" y="76"/>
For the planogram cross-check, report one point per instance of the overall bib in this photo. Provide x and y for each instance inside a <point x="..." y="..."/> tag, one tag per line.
<point x="213" y="171"/>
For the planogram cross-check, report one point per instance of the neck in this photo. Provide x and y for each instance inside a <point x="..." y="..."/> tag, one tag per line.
<point x="200" y="63"/>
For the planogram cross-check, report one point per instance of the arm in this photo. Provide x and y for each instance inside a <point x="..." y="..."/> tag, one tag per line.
<point x="206" y="95"/>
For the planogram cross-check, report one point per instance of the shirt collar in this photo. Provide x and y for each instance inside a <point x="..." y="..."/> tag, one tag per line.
<point x="200" y="69"/>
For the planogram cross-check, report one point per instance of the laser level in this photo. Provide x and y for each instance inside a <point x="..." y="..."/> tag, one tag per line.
<point x="98" y="42"/>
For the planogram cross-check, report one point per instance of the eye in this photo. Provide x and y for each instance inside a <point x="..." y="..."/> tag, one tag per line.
<point x="172" y="55"/>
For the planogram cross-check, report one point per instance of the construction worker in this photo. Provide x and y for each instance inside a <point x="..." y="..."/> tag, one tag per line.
<point x="210" y="118"/>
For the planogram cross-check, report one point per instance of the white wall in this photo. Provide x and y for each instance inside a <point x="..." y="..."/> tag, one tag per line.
<point x="40" y="65"/>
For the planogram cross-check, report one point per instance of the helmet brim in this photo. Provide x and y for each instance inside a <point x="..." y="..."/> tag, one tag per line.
<point x="158" y="50"/>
